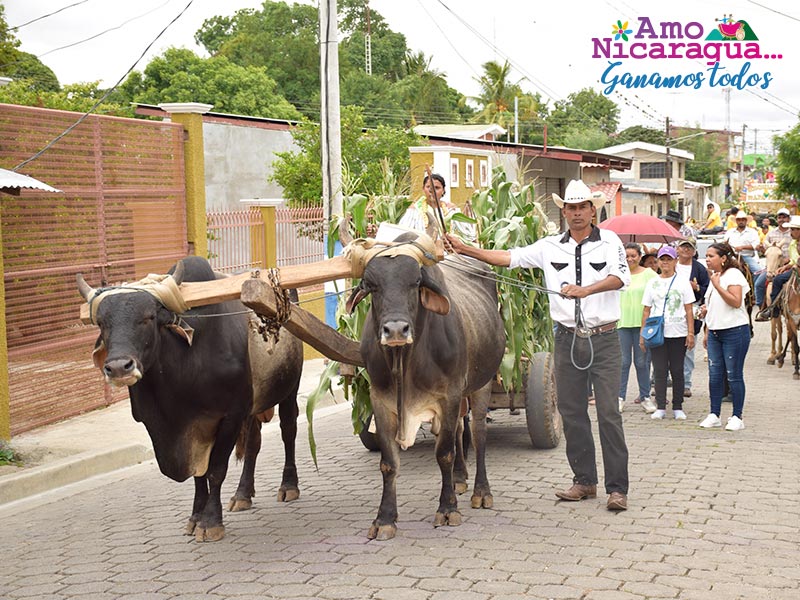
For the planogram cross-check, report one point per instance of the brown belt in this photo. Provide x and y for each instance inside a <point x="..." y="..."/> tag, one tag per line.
<point x="585" y="332"/>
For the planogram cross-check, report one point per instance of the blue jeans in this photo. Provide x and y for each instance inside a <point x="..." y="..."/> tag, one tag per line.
<point x="760" y="283"/>
<point x="752" y="264"/>
<point x="777" y="284"/>
<point x="688" y="368"/>
<point x="727" y="349"/>
<point x="629" y="345"/>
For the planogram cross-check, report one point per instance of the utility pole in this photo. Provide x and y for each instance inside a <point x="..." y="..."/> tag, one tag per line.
<point x="668" y="169"/>
<point x="368" y="42"/>
<point x="516" y="119"/>
<point x="330" y="125"/>
<point x="741" y="161"/>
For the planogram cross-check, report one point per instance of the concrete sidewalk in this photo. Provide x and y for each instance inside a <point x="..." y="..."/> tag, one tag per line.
<point x="105" y="440"/>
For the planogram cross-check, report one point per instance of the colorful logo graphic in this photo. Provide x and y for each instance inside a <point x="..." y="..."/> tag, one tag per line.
<point x="620" y="30"/>
<point x="725" y="54"/>
<point x="729" y="29"/>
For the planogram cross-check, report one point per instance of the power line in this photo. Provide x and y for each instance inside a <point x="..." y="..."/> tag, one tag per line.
<point x="777" y="12"/>
<point x="55" y="12"/>
<point x="104" y="96"/>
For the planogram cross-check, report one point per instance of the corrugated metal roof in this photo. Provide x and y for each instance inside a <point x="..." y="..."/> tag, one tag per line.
<point x="11" y="182"/>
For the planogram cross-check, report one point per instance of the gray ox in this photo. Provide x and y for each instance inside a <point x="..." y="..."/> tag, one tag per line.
<point x="197" y="401"/>
<point x="432" y="336"/>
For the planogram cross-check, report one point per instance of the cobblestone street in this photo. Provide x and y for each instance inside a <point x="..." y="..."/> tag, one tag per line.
<point x="713" y="515"/>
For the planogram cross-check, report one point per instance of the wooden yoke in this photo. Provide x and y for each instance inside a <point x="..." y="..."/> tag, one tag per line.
<point x="259" y="295"/>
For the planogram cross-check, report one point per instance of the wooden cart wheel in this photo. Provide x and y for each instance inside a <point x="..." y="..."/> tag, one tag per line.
<point x="541" y="410"/>
<point x="369" y="440"/>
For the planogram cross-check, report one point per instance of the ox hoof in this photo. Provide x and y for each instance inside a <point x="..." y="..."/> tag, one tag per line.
<point x="382" y="532"/>
<point x="239" y="504"/>
<point x="771" y="360"/>
<point x="209" y="534"/>
<point x="460" y="487"/>
<point x="452" y="519"/>
<point x="190" y="527"/>
<point x="796" y="376"/>
<point x="484" y="500"/>
<point x="287" y="494"/>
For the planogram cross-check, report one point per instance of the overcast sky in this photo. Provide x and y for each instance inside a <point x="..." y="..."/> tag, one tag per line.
<point x="547" y="43"/>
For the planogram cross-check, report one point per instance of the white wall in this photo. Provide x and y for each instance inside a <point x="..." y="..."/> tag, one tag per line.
<point x="238" y="161"/>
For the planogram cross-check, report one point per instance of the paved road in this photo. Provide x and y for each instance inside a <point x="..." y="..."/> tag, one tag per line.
<point x="713" y="515"/>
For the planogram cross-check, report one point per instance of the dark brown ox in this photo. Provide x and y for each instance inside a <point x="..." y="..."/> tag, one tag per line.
<point x="197" y="400"/>
<point x="432" y="336"/>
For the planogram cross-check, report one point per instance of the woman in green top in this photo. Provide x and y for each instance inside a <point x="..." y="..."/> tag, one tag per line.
<point x="630" y="323"/>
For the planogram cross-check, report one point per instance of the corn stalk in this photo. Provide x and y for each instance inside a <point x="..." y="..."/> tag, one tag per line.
<point x="507" y="217"/>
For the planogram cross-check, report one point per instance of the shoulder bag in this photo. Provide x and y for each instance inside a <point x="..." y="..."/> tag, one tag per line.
<point x="653" y="330"/>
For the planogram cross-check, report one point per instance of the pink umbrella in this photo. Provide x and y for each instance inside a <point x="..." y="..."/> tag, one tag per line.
<point x="641" y="228"/>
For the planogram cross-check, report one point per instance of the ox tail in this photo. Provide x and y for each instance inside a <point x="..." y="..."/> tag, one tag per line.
<point x="241" y="440"/>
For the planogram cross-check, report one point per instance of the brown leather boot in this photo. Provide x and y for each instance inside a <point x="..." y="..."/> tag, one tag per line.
<point x="578" y="491"/>
<point x="617" y="501"/>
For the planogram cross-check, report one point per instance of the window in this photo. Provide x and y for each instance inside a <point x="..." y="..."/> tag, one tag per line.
<point x="653" y="170"/>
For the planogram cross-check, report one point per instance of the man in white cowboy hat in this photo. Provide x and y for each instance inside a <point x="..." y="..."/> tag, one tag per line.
<point x="587" y="266"/>
<point x="773" y="310"/>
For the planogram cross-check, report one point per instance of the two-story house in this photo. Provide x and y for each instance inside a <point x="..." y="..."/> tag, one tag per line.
<point x="655" y="183"/>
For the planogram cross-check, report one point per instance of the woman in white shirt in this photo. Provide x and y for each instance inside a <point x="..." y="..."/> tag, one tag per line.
<point x="728" y="337"/>
<point x="672" y="297"/>
<point x="423" y="216"/>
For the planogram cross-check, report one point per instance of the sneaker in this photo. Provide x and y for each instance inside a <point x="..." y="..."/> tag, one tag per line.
<point x="649" y="405"/>
<point x="734" y="424"/>
<point x="621" y="404"/>
<point x="679" y="415"/>
<point x="659" y="414"/>
<point x="711" y="420"/>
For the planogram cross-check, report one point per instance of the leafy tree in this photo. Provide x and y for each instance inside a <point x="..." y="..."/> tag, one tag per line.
<point x="281" y="38"/>
<point x="788" y="172"/>
<point x="78" y="97"/>
<point x="375" y="95"/>
<point x="710" y="161"/>
<point x="585" y="138"/>
<point x="640" y="133"/>
<point x="179" y="75"/>
<point x="363" y="152"/>
<point x="497" y="96"/>
<point x="22" y="66"/>
<point x="585" y="108"/>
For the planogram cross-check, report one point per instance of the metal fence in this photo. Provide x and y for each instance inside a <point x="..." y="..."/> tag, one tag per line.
<point x="236" y="239"/>
<point x="121" y="215"/>
<point x="299" y="235"/>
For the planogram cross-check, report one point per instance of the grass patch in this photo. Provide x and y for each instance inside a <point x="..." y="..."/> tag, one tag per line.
<point x="7" y="455"/>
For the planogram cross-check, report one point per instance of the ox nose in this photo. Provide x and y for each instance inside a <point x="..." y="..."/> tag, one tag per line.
<point x="124" y="371"/>
<point x="396" y="333"/>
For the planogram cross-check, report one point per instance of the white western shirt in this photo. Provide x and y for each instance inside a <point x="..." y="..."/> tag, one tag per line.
<point x="564" y="262"/>
<point x="748" y="237"/>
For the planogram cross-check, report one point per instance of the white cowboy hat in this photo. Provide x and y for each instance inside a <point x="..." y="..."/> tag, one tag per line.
<point x="794" y="222"/>
<point x="578" y="192"/>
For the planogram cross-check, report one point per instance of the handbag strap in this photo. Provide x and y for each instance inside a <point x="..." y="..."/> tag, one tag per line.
<point x="664" y="308"/>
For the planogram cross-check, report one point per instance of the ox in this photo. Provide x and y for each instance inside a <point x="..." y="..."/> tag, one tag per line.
<point x="432" y="337"/>
<point x="201" y="391"/>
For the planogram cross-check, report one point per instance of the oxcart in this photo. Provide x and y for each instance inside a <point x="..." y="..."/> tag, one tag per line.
<point x="262" y="292"/>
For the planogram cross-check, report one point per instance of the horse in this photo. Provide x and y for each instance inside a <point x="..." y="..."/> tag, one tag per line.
<point x="790" y="309"/>
<point x="774" y="258"/>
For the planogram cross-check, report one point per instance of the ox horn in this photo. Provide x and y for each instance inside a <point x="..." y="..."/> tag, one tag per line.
<point x="84" y="288"/>
<point x="344" y="231"/>
<point x="177" y="275"/>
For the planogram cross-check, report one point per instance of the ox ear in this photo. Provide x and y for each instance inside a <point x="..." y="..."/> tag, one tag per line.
<point x="99" y="353"/>
<point x="357" y="296"/>
<point x="432" y="296"/>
